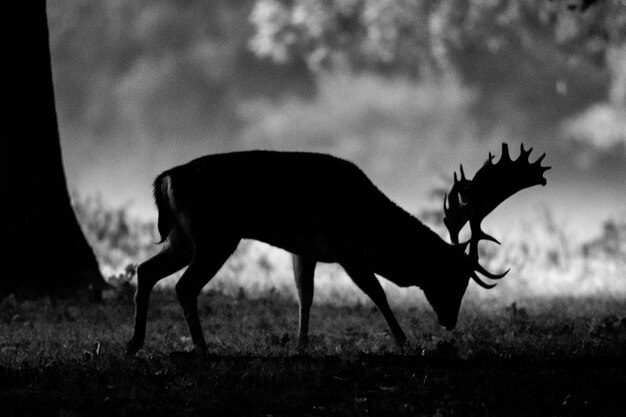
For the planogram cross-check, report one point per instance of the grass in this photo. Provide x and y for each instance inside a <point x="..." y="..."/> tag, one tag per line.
<point x="533" y="357"/>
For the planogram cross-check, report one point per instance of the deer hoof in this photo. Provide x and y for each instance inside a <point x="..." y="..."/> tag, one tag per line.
<point x="403" y="344"/>
<point x="200" y="348"/>
<point x="303" y="343"/>
<point x="132" y="347"/>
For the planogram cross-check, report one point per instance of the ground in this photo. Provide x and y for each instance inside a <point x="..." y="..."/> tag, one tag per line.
<point x="557" y="357"/>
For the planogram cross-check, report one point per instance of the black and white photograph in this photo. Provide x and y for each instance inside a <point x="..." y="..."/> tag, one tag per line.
<point x="313" y="208"/>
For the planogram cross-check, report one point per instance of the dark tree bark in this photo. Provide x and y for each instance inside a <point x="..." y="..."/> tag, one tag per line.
<point x="45" y="250"/>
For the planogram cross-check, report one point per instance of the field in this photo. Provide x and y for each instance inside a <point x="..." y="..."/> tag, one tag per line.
<point x="557" y="357"/>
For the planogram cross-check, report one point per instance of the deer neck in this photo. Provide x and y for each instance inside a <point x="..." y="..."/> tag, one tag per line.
<point x="410" y="253"/>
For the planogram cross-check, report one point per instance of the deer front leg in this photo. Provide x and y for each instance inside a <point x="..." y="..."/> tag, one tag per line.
<point x="369" y="284"/>
<point x="165" y="263"/>
<point x="304" y="271"/>
<point x="206" y="262"/>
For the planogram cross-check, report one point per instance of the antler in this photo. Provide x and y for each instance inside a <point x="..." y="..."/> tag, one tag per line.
<point x="454" y="207"/>
<point x="472" y="200"/>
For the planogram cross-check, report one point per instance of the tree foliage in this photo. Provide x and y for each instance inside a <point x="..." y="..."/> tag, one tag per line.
<point x="424" y="37"/>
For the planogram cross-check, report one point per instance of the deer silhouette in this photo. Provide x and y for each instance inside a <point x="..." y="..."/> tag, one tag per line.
<point x="321" y="209"/>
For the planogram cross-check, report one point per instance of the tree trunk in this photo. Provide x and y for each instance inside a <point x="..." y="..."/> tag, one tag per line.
<point x="45" y="250"/>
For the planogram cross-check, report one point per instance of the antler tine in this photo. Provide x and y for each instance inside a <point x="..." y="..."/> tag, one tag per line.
<point x="454" y="206"/>
<point x="505" y="153"/>
<point x="524" y="153"/>
<point x="481" y="282"/>
<point x="478" y="267"/>
<point x="481" y="235"/>
<point x="477" y="235"/>
<point x="538" y="161"/>
<point x="473" y="255"/>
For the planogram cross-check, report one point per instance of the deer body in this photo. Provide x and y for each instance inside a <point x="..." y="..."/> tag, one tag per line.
<point x="308" y="204"/>
<point x="318" y="207"/>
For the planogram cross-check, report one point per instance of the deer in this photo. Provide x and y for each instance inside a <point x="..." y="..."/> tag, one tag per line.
<point x="320" y="208"/>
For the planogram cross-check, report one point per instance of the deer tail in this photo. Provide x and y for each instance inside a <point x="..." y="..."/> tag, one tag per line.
<point x="163" y="199"/>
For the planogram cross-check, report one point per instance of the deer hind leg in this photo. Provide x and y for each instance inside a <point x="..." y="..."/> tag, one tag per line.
<point x="369" y="284"/>
<point x="169" y="260"/>
<point x="304" y="270"/>
<point x="207" y="260"/>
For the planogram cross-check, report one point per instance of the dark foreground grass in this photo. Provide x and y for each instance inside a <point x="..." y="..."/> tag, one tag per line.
<point x="555" y="357"/>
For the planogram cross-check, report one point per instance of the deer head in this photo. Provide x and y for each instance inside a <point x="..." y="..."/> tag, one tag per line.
<point x="472" y="200"/>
